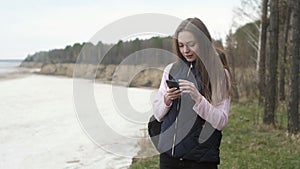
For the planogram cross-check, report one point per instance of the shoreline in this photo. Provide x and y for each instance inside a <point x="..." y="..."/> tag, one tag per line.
<point x="35" y="70"/>
<point x="44" y="121"/>
<point x="125" y="75"/>
<point x="17" y="74"/>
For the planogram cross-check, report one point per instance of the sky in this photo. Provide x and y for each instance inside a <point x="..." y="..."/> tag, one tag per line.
<point x="41" y="25"/>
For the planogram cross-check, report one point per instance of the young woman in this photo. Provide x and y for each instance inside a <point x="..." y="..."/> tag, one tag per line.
<point x="194" y="115"/>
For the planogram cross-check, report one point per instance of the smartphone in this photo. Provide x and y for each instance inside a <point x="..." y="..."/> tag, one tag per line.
<point x="172" y="84"/>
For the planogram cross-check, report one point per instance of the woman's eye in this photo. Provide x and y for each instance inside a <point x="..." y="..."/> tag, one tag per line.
<point x="191" y="44"/>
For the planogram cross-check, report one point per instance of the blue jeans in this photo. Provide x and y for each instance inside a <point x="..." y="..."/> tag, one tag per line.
<point x="167" y="162"/>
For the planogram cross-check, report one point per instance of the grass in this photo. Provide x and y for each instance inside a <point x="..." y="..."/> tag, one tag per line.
<point x="146" y="163"/>
<point x="248" y="144"/>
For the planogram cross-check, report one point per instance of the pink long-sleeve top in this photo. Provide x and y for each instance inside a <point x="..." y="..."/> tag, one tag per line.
<point x="216" y="115"/>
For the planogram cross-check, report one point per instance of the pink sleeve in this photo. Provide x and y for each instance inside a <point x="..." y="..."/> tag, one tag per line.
<point x="160" y="108"/>
<point x="216" y="115"/>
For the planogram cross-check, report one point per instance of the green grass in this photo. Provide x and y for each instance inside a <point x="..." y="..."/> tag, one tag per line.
<point x="248" y="144"/>
<point x="146" y="163"/>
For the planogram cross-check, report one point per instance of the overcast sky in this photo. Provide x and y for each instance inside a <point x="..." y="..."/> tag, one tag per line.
<point x="29" y="26"/>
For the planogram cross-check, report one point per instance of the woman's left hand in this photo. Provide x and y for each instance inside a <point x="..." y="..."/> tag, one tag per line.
<point x="189" y="87"/>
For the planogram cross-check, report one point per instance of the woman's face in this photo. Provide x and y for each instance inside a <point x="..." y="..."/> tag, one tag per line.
<point x="188" y="45"/>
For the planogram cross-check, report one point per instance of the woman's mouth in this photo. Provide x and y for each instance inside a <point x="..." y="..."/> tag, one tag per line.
<point x="188" y="56"/>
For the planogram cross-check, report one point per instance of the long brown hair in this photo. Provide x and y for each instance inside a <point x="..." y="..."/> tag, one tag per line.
<point x="200" y="31"/>
<point x="223" y="59"/>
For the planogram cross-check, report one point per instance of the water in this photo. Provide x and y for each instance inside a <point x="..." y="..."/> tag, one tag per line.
<point x="39" y="126"/>
<point x="9" y="66"/>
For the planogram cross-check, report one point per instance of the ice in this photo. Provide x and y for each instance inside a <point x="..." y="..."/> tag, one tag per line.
<point x="39" y="126"/>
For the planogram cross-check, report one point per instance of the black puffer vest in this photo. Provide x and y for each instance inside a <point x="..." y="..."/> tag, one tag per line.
<point x="181" y="127"/>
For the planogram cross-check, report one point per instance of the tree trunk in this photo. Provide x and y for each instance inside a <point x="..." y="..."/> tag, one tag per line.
<point x="230" y="53"/>
<point x="285" y="53"/>
<point x="293" y="109"/>
<point x="262" y="53"/>
<point x="270" y="101"/>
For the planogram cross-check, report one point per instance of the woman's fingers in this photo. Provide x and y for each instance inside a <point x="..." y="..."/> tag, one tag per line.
<point x="176" y="94"/>
<point x="185" y="83"/>
<point x="186" y="86"/>
<point x="173" y="93"/>
<point x="171" y="90"/>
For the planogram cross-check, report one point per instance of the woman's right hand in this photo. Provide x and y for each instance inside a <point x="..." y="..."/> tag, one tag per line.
<point x="171" y="95"/>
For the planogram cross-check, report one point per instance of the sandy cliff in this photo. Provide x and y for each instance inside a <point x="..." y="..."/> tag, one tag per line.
<point x="129" y="75"/>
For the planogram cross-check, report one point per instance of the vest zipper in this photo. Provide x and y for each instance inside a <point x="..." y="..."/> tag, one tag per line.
<point x="176" y="120"/>
<point x="189" y="71"/>
<point x="174" y="138"/>
<point x="176" y="125"/>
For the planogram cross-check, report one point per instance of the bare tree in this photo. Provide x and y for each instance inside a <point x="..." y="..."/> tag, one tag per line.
<point x="230" y="45"/>
<point x="270" y="101"/>
<point x="293" y="109"/>
<point x="262" y="52"/>
<point x="249" y="11"/>
<point x="283" y="60"/>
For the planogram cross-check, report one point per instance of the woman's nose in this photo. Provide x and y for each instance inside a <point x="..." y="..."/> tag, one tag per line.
<point x="186" y="49"/>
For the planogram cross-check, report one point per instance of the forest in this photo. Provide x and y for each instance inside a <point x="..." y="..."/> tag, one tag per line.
<point x="102" y="53"/>
<point x="274" y="36"/>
